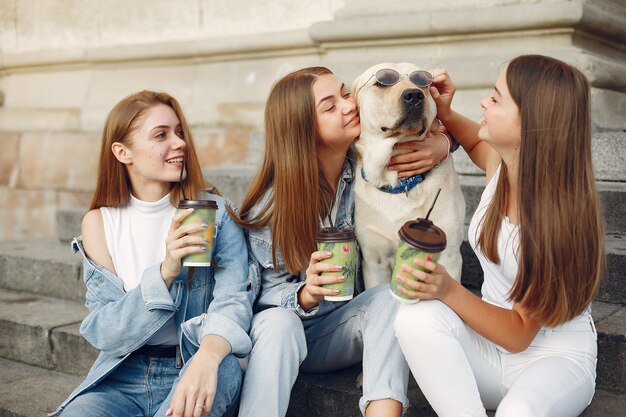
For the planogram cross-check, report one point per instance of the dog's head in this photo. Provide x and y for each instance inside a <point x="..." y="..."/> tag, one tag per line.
<point x="401" y="111"/>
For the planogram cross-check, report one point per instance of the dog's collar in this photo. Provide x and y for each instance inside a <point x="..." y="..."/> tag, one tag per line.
<point x="405" y="184"/>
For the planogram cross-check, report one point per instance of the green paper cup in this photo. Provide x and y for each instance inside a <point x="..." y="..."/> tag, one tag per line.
<point x="418" y="239"/>
<point x="342" y="244"/>
<point x="203" y="213"/>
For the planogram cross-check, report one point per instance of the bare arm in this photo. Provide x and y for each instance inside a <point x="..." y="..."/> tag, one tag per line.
<point x="464" y="130"/>
<point x="94" y="240"/>
<point x="513" y="329"/>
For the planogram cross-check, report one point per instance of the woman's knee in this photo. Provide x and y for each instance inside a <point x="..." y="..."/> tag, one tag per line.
<point x="423" y="318"/>
<point x="278" y="330"/>
<point x="517" y="406"/>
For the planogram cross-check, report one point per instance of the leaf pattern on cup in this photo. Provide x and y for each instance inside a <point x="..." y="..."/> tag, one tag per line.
<point x="328" y="246"/>
<point x="349" y="270"/>
<point x="407" y="254"/>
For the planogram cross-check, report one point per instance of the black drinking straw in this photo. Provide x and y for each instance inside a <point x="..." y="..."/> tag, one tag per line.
<point x="182" y="185"/>
<point x="433" y="205"/>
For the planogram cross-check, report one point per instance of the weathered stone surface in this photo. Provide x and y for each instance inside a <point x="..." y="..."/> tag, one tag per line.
<point x="9" y="157"/>
<point x="71" y="353"/>
<point x="608" y="109"/>
<point x="39" y="119"/>
<point x="231" y="182"/>
<point x="611" y="368"/>
<point x="613" y="200"/>
<point x="29" y="391"/>
<point x="26" y="213"/>
<point x="63" y="90"/>
<point x="58" y="161"/>
<point x="613" y="287"/>
<point x="70" y="23"/>
<point x="69" y="224"/>
<point x="26" y="322"/>
<point x="609" y="156"/>
<point x="42" y="266"/>
<point x="220" y="147"/>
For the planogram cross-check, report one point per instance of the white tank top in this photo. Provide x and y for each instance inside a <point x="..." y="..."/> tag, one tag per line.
<point x="499" y="278"/>
<point x="135" y="237"/>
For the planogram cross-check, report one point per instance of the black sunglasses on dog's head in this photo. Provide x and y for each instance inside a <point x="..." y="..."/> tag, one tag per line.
<point x="389" y="77"/>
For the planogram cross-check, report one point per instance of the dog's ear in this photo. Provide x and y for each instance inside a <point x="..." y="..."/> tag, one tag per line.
<point x="355" y="87"/>
<point x="358" y="83"/>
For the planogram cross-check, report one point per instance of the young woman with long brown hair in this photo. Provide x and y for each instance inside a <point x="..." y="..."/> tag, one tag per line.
<point x="528" y="348"/>
<point x="167" y="337"/>
<point x="306" y="180"/>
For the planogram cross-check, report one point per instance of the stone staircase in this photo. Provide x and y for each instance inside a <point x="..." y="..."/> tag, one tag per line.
<point x="43" y="357"/>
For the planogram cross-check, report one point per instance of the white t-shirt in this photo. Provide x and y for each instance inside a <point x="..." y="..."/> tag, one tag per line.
<point x="135" y="237"/>
<point x="499" y="278"/>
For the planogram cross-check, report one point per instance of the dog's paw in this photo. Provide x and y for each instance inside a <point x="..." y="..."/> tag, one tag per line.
<point x="359" y="381"/>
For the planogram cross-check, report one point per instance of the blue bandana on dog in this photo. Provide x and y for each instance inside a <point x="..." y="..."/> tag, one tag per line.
<point x="405" y="184"/>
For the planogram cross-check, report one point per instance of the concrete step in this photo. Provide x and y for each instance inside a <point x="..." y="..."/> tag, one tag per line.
<point x="43" y="331"/>
<point x="41" y="266"/>
<point x="69" y="223"/>
<point x="609" y="156"/>
<point x="29" y="391"/>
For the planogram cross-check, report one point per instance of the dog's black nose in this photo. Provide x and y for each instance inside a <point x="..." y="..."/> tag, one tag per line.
<point x="413" y="96"/>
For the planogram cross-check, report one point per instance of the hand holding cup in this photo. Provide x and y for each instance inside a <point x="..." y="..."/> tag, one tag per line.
<point x="342" y="246"/>
<point x="427" y="280"/>
<point x="182" y="239"/>
<point x="314" y="290"/>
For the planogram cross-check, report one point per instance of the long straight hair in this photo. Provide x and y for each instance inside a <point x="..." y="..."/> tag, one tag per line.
<point x="300" y="193"/>
<point x="113" y="185"/>
<point x="561" y="252"/>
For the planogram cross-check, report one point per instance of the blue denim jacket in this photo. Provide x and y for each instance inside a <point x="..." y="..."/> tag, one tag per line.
<point x="219" y="302"/>
<point x="281" y="288"/>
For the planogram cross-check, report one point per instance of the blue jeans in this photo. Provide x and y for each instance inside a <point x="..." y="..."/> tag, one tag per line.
<point x="360" y="330"/>
<point x="143" y="387"/>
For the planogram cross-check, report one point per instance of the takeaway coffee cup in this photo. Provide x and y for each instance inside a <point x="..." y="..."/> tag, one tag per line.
<point x="342" y="244"/>
<point x="418" y="239"/>
<point x="203" y="213"/>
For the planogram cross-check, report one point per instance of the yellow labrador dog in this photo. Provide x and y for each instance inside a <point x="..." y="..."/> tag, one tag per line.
<point x="395" y="106"/>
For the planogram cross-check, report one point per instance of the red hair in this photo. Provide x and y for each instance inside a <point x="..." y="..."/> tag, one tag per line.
<point x="113" y="184"/>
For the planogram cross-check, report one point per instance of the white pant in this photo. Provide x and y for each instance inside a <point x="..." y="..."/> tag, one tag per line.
<point x="461" y="373"/>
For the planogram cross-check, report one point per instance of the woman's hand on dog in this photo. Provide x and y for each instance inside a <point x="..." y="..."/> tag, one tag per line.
<point x="313" y="292"/>
<point x="442" y="90"/>
<point x="420" y="156"/>
<point x="425" y="286"/>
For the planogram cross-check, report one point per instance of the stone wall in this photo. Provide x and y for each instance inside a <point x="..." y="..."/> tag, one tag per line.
<point x="65" y="63"/>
